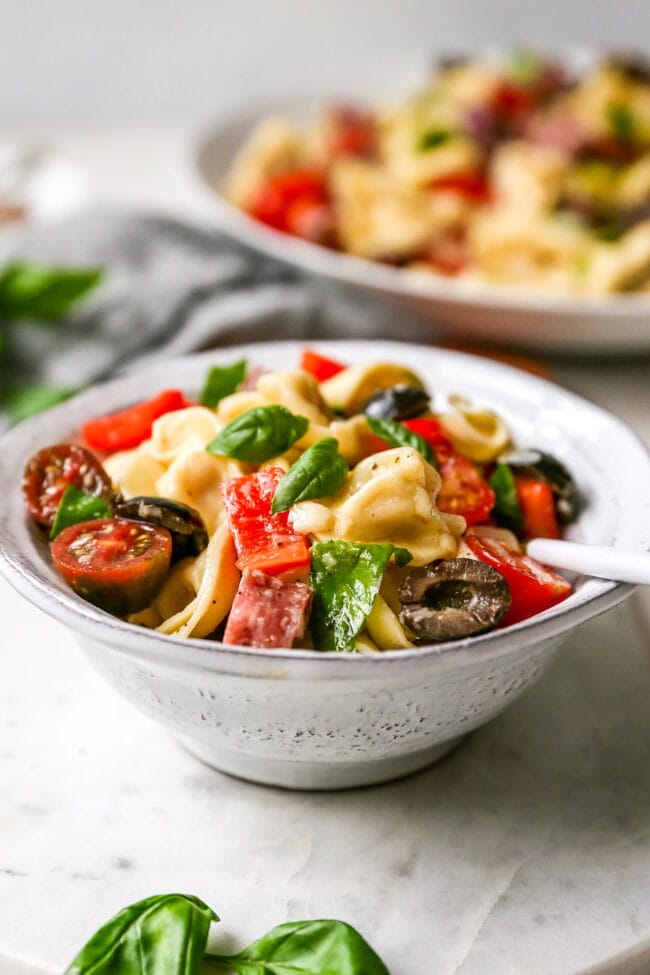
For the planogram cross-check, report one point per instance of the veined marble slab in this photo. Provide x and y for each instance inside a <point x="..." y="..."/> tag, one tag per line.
<point x="528" y="850"/>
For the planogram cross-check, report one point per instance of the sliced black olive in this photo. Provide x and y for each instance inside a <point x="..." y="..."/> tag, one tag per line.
<point x="399" y="402"/>
<point x="185" y="524"/>
<point x="453" y="598"/>
<point x="537" y="464"/>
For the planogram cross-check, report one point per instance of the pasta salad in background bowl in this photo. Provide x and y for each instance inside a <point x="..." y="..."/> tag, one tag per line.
<point x="505" y="191"/>
<point x="309" y="563"/>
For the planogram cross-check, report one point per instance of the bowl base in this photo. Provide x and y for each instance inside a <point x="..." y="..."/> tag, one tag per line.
<point x="318" y="776"/>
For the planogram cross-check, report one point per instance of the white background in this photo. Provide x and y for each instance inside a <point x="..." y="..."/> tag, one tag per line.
<point x="95" y="60"/>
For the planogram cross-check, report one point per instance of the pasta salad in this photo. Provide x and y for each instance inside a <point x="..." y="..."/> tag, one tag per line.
<point x="330" y="507"/>
<point x="515" y="172"/>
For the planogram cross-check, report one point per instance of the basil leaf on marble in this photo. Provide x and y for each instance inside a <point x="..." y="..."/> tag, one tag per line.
<point x="307" y="948"/>
<point x="345" y="578"/>
<point x="259" y="434"/>
<point x="506" y="504"/>
<point x="318" y="473"/>
<point x="76" y="506"/>
<point x="162" y="935"/>
<point x="221" y="381"/>
<point x="397" y="435"/>
<point x="47" y="293"/>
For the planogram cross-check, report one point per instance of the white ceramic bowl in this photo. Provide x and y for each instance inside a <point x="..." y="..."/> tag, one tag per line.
<point x="308" y="720"/>
<point x="616" y="324"/>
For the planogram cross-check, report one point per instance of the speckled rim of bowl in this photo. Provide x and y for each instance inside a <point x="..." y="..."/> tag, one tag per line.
<point x="22" y="548"/>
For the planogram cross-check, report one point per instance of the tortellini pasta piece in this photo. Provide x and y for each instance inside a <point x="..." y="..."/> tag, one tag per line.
<point x="388" y="497"/>
<point x="384" y="627"/>
<point x="215" y="592"/>
<point x="623" y="266"/>
<point x="274" y="147"/>
<point x="378" y="216"/>
<point x="479" y="435"/>
<point x="135" y="471"/>
<point x="297" y="391"/>
<point x="173" y="433"/>
<point x="194" y="479"/>
<point x="351" y="388"/>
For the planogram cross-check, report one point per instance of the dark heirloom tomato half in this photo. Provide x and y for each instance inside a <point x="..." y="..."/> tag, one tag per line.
<point x="116" y="564"/>
<point x="53" y="469"/>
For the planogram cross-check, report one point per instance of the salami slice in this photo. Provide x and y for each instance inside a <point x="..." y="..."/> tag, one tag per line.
<point x="268" y="612"/>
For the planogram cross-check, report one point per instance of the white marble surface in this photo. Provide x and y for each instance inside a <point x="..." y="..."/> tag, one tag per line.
<point x="526" y="851"/>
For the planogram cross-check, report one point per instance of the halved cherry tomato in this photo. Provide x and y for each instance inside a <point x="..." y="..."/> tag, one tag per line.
<point x="115" y="564"/>
<point x="352" y="132"/>
<point x="128" y="428"/>
<point x="433" y="432"/>
<point x="319" y="366"/>
<point x="538" y="508"/>
<point x="262" y="540"/>
<point x="53" y="469"/>
<point x="533" y="587"/>
<point x="512" y="100"/>
<point x="277" y="194"/>
<point x="472" y="184"/>
<point x="463" y="491"/>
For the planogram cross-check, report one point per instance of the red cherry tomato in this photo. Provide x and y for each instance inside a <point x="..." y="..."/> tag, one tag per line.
<point x="276" y="195"/>
<point x="352" y="132"/>
<point x="472" y="185"/>
<point x="115" y="564"/>
<point x="463" y="491"/>
<point x="319" y="366"/>
<point x="533" y="587"/>
<point x="512" y="100"/>
<point x="53" y="469"/>
<point x="128" y="428"/>
<point x="538" y="508"/>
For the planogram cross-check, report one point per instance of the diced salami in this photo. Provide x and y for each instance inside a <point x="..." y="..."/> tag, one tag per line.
<point x="268" y="612"/>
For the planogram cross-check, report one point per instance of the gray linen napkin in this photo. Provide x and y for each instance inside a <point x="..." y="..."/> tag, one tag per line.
<point x="171" y="288"/>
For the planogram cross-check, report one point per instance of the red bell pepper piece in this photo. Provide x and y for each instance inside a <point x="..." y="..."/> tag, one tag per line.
<point x="273" y="200"/>
<point x="533" y="587"/>
<point x="538" y="508"/>
<point x="128" y="428"/>
<point x="472" y="185"/>
<point x="433" y="432"/>
<point x="262" y="540"/>
<point x="319" y="366"/>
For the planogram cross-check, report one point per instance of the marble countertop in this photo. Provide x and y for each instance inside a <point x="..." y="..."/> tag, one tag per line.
<point x="528" y="850"/>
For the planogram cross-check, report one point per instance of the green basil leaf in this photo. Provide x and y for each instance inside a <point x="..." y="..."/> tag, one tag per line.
<point x="622" y="122"/>
<point x="222" y="381"/>
<point x="506" y="505"/>
<point x="162" y="935"/>
<point x="402" y="556"/>
<point x="259" y="434"/>
<point x="397" y="435"/>
<point x="23" y="401"/>
<point x="345" y="577"/>
<point x="47" y="293"/>
<point x="77" y="506"/>
<point x="318" y="473"/>
<point x="307" y="948"/>
<point x="433" y="138"/>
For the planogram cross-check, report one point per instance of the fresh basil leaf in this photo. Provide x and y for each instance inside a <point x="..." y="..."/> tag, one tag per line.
<point x="622" y="122"/>
<point x="345" y="577"/>
<point x="506" y="506"/>
<point x="47" y="293"/>
<point x="318" y="473"/>
<point x="432" y="139"/>
<point x="402" y="556"/>
<point x="397" y="435"/>
<point x="307" y="948"/>
<point x="259" y="434"/>
<point x="162" y="935"/>
<point x="77" y="506"/>
<point x="222" y="381"/>
<point x="23" y="401"/>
